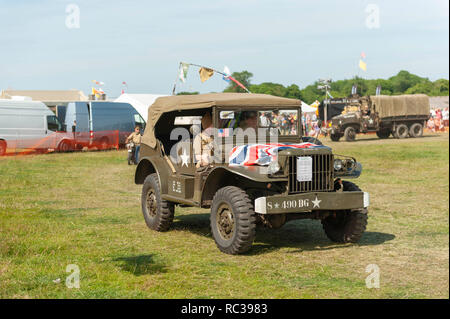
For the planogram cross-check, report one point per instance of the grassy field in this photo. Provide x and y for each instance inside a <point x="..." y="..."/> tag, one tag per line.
<point x="84" y="209"/>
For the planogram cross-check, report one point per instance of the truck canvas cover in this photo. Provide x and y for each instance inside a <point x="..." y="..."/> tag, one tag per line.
<point x="200" y="101"/>
<point x="401" y="105"/>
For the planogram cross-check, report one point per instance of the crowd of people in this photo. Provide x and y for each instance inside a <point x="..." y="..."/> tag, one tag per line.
<point x="439" y="120"/>
<point x="310" y="124"/>
<point x="286" y="121"/>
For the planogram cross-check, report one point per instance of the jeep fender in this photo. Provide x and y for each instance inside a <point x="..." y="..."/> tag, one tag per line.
<point x="144" y="168"/>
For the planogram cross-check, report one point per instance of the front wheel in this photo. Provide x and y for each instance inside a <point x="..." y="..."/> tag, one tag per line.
<point x="350" y="134"/>
<point x="346" y="226"/>
<point x="64" y="146"/>
<point x="233" y="220"/>
<point x="158" y="213"/>
<point x="335" y="137"/>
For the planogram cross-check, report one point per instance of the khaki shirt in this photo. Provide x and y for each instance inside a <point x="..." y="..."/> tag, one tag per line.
<point x="203" y="149"/>
<point x="135" y="137"/>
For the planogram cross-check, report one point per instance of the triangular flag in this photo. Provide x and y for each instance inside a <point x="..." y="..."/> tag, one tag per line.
<point x="205" y="74"/>
<point x="227" y="72"/>
<point x="362" y="65"/>
<point x="184" y="67"/>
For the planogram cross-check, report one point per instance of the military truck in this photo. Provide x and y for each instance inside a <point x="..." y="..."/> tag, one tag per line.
<point x="301" y="180"/>
<point x="401" y="116"/>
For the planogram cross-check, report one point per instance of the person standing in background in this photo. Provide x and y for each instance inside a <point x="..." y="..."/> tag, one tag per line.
<point x="136" y="138"/>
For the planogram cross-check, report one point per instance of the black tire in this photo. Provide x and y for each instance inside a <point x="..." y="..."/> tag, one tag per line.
<point x="64" y="146"/>
<point x="383" y="134"/>
<point x="416" y="130"/>
<point x="335" y="137"/>
<point x="401" y="131"/>
<point x="346" y="226"/>
<point x="2" y="147"/>
<point x="130" y="158"/>
<point x="233" y="220"/>
<point x="350" y="134"/>
<point x="158" y="213"/>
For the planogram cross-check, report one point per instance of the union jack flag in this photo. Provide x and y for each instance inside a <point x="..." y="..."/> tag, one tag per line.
<point x="262" y="154"/>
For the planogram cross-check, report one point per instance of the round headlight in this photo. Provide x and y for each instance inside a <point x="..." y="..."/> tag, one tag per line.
<point x="337" y="164"/>
<point x="274" y="167"/>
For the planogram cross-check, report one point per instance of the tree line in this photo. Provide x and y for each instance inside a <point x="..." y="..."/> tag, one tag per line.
<point x="402" y="83"/>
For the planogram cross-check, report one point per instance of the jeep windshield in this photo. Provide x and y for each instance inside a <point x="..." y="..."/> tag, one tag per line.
<point x="284" y="122"/>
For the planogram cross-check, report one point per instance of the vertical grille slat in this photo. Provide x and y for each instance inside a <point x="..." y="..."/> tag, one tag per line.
<point x="322" y="174"/>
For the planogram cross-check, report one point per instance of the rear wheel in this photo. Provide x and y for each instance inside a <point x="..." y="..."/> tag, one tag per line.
<point x="401" y="131"/>
<point x="350" y="134"/>
<point x="2" y="147"/>
<point x="346" y="226"/>
<point x="233" y="220"/>
<point x="416" y="130"/>
<point x="335" y="137"/>
<point x="158" y="213"/>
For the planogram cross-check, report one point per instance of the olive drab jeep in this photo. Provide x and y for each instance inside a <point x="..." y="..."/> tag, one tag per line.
<point x="247" y="180"/>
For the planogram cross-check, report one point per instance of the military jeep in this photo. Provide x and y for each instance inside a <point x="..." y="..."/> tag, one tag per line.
<point x="282" y="176"/>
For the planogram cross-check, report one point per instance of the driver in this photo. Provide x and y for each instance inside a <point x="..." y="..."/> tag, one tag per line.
<point x="203" y="142"/>
<point x="249" y="120"/>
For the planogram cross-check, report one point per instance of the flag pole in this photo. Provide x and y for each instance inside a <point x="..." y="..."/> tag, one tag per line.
<point x="176" y="79"/>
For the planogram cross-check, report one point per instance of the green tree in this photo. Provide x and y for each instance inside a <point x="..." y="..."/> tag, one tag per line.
<point x="188" y="93"/>
<point x="244" y="77"/>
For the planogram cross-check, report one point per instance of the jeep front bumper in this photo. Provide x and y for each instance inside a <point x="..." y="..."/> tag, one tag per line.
<point x="298" y="203"/>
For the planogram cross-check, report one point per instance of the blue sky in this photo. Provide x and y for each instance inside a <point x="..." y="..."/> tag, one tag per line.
<point x="283" y="41"/>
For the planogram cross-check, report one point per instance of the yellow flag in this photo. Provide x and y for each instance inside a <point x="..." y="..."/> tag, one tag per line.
<point x="205" y="74"/>
<point x="362" y="65"/>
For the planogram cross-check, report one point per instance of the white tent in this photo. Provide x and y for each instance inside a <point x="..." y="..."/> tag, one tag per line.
<point x="140" y="102"/>
<point x="307" y="108"/>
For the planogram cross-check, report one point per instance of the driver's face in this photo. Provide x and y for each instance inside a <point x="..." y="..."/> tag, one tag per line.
<point x="137" y="130"/>
<point x="251" y="122"/>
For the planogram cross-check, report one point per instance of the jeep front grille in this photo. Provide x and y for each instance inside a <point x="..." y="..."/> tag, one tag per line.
<point x="322" y="174"/>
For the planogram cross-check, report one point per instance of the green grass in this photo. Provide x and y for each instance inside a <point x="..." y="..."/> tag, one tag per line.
<point x="84" y="209"/>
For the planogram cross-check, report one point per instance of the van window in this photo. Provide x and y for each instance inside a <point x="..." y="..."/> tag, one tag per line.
<point x="138" y="120"/>
<point x="53" y="123"/>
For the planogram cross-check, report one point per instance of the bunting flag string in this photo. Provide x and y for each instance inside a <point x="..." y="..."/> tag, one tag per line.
<point x="205" y="74"/>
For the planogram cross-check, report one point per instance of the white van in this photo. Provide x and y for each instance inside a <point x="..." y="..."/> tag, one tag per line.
<point x="30" y="125"/>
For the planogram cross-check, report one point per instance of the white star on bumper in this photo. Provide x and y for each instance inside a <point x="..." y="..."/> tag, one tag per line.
<point x="316" y="202"/>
